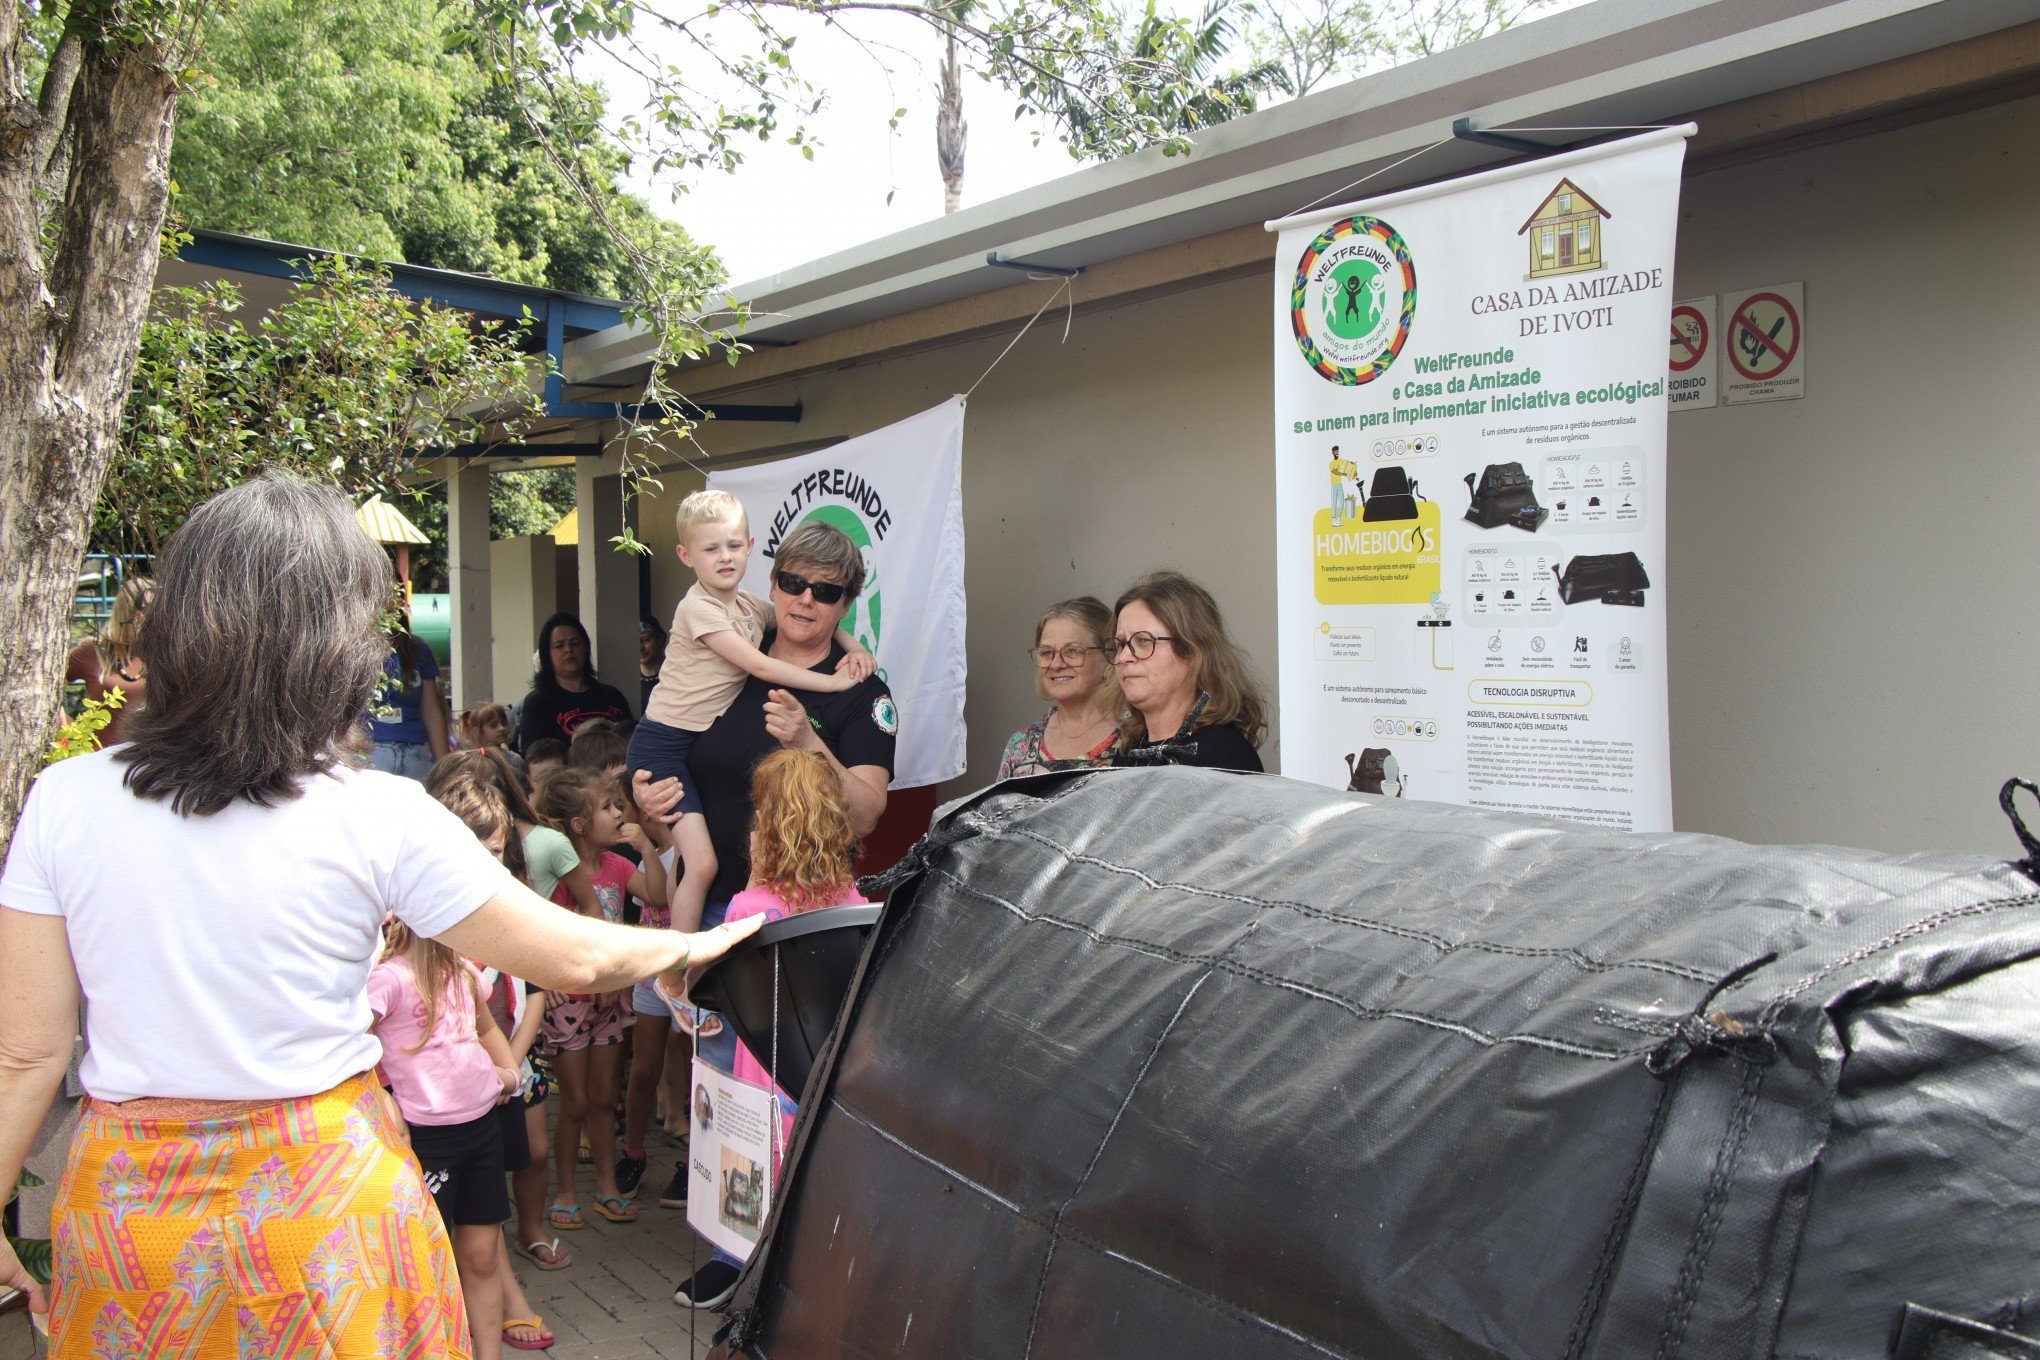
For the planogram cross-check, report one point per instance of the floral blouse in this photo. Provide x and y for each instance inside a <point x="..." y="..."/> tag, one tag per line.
<point x="1025" y="754"/>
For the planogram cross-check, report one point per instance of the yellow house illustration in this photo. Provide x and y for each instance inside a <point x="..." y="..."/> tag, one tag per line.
<point x="1565" y="232"/>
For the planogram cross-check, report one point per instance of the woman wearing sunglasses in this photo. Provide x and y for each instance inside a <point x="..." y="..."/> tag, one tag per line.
<point x="1073" y="672"/>
<point x="817" y="575"/>
<point x="1191" y="697"/>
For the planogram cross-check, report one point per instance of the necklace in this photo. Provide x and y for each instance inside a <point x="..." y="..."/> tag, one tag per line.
<point x="1075" y="738"/>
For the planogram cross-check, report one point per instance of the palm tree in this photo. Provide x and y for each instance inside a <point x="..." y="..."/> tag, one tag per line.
<point x="1179" y="55"/>
<point x="950" y="129"/>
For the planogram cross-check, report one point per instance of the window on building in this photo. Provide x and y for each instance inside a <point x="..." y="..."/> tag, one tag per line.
<point x="1586" y="237"/>
<point x="1565" y="202"/>
<point x="1550" y="242"/>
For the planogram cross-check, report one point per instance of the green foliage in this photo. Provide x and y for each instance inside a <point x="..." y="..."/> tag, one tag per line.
<point x="80" y="735"/>
<point x="1312" y="42"/>
<point x="345" y="380"/>
<point x="370" y="128"/>
<point x="1196" y="94"/>
<point x="32" y="1252"/>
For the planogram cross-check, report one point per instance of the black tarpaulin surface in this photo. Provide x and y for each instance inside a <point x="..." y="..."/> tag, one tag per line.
<point x="1185" y="1063"/>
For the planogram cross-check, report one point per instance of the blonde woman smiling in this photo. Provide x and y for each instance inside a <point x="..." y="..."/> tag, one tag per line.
<point x="1073" y="671"/>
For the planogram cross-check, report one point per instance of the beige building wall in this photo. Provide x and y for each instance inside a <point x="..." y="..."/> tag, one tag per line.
<point x="1850" y="647"/>
<point x="523" y="591"/>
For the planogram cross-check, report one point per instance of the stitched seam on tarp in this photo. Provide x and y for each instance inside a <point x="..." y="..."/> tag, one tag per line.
<point x="1359" y="1009"/>
<point x="1904" y="934"/>
<point x="1055" y="1228"/>
<point x="928" y="1161"/>
<point x="1712" y="1209"/>
<point x="1217" y="1305"/>
<point x="1439" y="942"/>
<point x="1596" y="1293"/>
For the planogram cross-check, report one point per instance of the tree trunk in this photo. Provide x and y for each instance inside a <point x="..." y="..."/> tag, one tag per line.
<point x="950" y="130"/>
<point x="70" y="325"/>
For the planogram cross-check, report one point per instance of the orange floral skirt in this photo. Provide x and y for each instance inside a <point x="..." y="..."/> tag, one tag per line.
<point x="289" y="1230"/>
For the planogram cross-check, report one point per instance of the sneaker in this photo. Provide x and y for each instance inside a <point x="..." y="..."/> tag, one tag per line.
<point x="630" y="1171"/>
<point x="676" y="1189"/>
<point x="710" y="1287"/>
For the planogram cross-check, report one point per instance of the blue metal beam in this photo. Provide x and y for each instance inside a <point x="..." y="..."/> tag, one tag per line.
<point x="464" y="292"/>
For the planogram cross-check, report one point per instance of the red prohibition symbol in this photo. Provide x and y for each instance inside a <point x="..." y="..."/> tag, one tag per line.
<point x="1689" y="342"/>
<point x="1759" y="344"/>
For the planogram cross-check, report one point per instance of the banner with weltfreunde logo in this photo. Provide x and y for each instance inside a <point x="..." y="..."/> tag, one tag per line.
<point x="898" y="494"/>
<point x="1470" y="411"/>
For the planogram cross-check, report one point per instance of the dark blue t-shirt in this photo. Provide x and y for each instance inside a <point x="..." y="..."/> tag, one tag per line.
<point x="396" y="716"/>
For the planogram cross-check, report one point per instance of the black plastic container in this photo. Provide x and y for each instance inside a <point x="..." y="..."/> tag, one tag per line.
<point x="817" y="953"/>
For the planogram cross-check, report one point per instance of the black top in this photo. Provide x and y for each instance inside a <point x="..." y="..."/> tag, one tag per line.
<point x="646" y="684"/>
<point x="1218" y="748"/>
<point x="560" y="712"/>
<point x="859" y="725"/>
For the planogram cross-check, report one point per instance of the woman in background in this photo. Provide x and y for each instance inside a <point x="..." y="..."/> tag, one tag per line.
<point x="1192" y="700"/>
<point x="1073" y="671"/>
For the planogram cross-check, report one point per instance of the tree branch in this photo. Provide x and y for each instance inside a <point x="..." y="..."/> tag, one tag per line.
<point x="54" y="103"/>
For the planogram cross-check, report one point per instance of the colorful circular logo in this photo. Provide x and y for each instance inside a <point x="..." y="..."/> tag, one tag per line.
<point x="1353" y="300"/>
<point x="864" y="619"/>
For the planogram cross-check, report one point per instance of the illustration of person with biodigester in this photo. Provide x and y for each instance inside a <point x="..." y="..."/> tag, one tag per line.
<point x="1344" y="491"/>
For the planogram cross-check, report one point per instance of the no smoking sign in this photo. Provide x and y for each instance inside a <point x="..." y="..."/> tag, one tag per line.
<point x="1692" y="385"/>
<point x="1764" y="340"/>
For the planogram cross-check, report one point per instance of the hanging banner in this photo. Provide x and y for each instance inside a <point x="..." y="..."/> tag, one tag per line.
<point x="1470" y="401"/>
<point x="729" y="1159"/>
<point x="898" y="493"/>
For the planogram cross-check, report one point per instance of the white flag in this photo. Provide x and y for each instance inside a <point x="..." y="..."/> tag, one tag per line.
<point x="898" y="494"/>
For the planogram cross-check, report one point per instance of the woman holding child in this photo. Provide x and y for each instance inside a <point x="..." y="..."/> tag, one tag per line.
<point x="237" y="1148"/>
<point x="816" y="577"/>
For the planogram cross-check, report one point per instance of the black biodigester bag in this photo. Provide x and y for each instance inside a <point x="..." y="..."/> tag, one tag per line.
<point x="1391" y="495"/>
<point x="1182" y="1063"/>
<point x="1611" y="578"/>
<point x="1504" y="496"/>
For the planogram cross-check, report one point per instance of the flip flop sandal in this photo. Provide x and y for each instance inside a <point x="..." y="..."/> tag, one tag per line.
<point x="564" y="1218"/>
<point x="545" y="1255"/>
<point x="616" y="1209"/>
<point x="544" y="1341"/>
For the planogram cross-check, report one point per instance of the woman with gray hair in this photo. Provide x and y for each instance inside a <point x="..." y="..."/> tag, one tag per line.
<point x="237" y="1157"/>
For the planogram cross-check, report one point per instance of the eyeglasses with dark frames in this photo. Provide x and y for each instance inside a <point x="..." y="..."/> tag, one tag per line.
<point x="1071" y="655"/>
<point x="1142" y="645"/>
<point x="826" y="592"/>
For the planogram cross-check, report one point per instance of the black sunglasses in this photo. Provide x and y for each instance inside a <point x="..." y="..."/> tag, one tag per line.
<point x="826" y="592"/>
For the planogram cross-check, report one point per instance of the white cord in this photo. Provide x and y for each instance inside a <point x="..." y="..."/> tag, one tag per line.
<point x="1067" y="321"/>
<point x="1364" y="178"/>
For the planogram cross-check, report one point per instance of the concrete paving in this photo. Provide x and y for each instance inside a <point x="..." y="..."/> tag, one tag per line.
<point x="615" y="1302"/>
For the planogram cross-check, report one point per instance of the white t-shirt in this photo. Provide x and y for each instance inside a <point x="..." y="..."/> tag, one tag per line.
<point x="227" y="957"/>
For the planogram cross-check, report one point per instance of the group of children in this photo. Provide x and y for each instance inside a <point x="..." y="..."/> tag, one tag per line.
<point x="470" y="1057"/>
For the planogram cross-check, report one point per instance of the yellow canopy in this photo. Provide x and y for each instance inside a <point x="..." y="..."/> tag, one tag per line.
<point x="386" y="523"/>
<point x="567" y="532"/>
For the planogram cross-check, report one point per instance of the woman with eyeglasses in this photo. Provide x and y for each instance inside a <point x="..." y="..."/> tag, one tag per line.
<point x="1073" y="672"/>
<point x="1191" y="697"/>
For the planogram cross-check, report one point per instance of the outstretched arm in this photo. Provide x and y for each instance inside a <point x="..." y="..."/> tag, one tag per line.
<point x="743" y="655"/>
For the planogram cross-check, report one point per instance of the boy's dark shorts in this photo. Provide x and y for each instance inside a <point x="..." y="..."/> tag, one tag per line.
<point x="664" y="750"/>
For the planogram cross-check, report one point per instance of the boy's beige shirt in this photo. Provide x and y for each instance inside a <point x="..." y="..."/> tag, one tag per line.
<point x="695" y="685"/>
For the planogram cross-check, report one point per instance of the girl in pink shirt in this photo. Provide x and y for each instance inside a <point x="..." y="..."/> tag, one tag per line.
<point x="449" y="1067"/>
<point x="586" y="1033"/>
